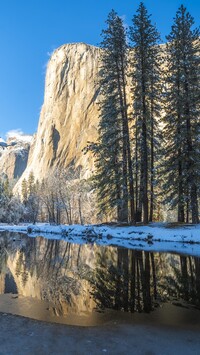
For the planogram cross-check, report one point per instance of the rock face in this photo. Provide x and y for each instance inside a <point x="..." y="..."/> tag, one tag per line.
<point x="13" y="159"/>
<point x="69" y="116"/>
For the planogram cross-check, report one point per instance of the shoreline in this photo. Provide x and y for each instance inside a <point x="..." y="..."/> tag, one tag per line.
<point x="155" y="237"/>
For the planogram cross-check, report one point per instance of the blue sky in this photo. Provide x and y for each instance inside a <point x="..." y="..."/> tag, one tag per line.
<point x="31" y="29"/>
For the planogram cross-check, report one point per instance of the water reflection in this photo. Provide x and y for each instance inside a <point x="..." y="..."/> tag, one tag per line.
<point x="140" y="281"/>
<point x="78" y="279"/>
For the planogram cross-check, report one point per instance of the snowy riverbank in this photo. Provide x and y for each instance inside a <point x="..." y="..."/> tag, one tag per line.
<point x="155" y="237"/>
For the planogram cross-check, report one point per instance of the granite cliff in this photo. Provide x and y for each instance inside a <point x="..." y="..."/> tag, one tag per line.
<point x="69" y="115"/>
<point x="14" y="158"/>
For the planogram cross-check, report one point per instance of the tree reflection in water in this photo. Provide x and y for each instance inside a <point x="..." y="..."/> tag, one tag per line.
<point x="140" y="281"/>
<point x="184" y="282"/>
<point x="80" y="278"/>
<point x="128" y="284"/>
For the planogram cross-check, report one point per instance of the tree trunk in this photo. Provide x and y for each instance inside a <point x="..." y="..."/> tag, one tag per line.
<point x="194" y="204"/>
<point x="127" y="135"/>
<point x="140" y="198"/>
<point x="145" y="201"/>
<point x="152" y="162"/>
<point x="190" y="164"/>
<point x="181" y="214"/>
<point x="124" y="200"/>
<point x="80" y="210"/>
<point x="144" y="154"/>
<point x="138" y="204"/>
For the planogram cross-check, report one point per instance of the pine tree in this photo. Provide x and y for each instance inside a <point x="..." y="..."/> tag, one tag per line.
<point x="5" y="198"/>
<point x="31" y="184"/>
<point x="182" y="124"/>
<point x="114" y="177"/>
<point x="7" y="188"/>
<point x="146" y="60"/>
<point x="24" y="191"/>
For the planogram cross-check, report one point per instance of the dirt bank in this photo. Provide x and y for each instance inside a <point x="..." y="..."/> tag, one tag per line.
<point x="19" y="336"/>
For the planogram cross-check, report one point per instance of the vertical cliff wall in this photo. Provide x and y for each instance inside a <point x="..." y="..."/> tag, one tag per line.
<point x="69" y="116"/>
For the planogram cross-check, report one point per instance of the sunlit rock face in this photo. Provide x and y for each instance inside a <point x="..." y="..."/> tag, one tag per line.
<point x="14" y="158"/>
<point x="69" y="116"/>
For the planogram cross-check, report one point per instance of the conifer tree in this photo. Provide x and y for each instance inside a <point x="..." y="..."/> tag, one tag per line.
<point x="182" y="119"/>
<point x="114" y="177"/>
<point x="31" y="184"/>
<point x="7" y="188"/>
<point x="24" y="191"/>
<point x="145" y="69"/>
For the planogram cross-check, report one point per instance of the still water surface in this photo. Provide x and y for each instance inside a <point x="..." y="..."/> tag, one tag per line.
<point x="58" y="281"/>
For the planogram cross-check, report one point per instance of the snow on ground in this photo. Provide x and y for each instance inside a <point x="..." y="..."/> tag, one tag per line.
<point x="155" y="237"/>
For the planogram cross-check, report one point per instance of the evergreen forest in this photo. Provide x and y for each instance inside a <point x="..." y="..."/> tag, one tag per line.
<point x="148" y="152"/>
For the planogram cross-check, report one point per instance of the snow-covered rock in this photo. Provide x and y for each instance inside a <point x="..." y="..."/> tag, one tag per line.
<point x="14" y="154"/>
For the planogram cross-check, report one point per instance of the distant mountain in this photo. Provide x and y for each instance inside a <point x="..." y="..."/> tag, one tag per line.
<point x="14" y="155"/>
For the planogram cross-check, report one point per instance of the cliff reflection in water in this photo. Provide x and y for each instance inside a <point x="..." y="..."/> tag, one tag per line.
<point x="80" y="278"/>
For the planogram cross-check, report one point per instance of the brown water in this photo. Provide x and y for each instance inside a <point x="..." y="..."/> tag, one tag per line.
<point x="86" y="285"/>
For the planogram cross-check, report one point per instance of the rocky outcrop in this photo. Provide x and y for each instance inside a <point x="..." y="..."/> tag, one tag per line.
<point x="69" y="116"/>
<point x="14" y="158"/>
